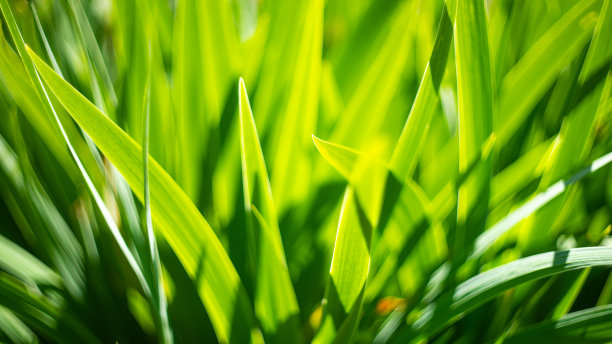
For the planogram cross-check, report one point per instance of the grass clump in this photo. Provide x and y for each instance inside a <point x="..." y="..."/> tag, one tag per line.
<point x="312" y="171"/>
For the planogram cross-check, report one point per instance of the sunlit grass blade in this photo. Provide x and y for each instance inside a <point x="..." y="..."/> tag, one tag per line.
<point x="348" y="274"/>
<point x="291" y="159"/>
<point x="48" y="106"/>
<point x="475" y="108"/>
<point x="188" y="103"/>
<point x="275" y="302"/>
<point x="406" y="153"/>
<point x="405" y="224"/>
<point x="196" y="245"/>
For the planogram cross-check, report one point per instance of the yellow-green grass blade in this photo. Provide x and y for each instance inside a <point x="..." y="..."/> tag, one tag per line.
<point x="187" y="72"/>
<point x="591" y="325"/>
<point x="292" y="160"/>
<point x="475" y="108"/>
<point x="275" y="302"/>
<point x="408" y="232"/>
<point x="279" y="59"/>
<point x="348" y="274"/>
<point x="600" y="50"/>
<point x="220" y="53"/>
<point x="485" y="286"/>
<point x="406" y="152"/>
<point x="525" y="84"/>
<point x="341" y="158"/>
<point x="41" y="313"/>
<point x="196" y="245"/>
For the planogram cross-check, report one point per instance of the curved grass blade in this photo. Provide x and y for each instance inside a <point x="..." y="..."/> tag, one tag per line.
<point x="486" y="239"/>
<point x="485" y="286"/>
<point x="275" y="301"/>
<point x="195" y="244"/>
<point x="592" y="325"/>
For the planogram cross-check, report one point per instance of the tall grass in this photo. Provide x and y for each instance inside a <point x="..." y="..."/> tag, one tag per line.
<point x="305" y="171"/>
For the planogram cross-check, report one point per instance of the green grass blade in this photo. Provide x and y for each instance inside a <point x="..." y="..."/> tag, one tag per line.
<point x="475" y="108"/>
<point x="275" y="301"/>
<point x="44" y="97"/>
<point x="485" y="286"/>
<point x="590" y="325"/>
<point x="14" y="328"/>
<point x="291" y="159"/>
<point x="23" y="265"/>
<point x="486" y="239"/>
<point x="348" y="274"/>
<point x="157" y="286"/>
<point x="406" y="153"/>
<point x="195" y="244"/>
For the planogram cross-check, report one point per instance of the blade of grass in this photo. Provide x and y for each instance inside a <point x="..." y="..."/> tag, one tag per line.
<point x="589" y="325"/>
<point x="23" y="265"/>
<point x="475" y="108"/>
<point x="291" y="159"/>
<point x="158" y="293"/>
<point x="406" y="153"/>
<point x="348" y="274"/>
<point x="196" y="245"/>
<point x="44" y="97"/>
<point x="275" y="302"/>
<point x="485" y="286"/>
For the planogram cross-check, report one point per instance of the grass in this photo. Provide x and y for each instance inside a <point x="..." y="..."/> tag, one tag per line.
<point x="312" y="171"/>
